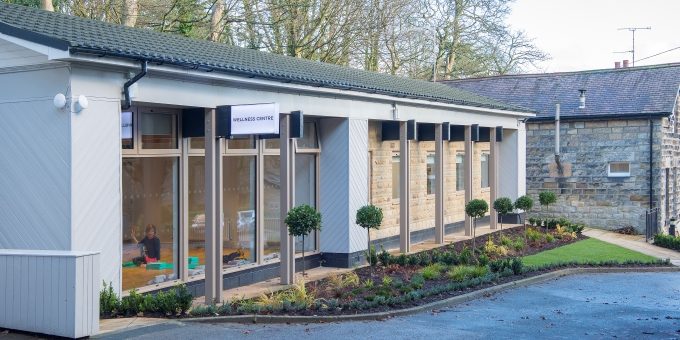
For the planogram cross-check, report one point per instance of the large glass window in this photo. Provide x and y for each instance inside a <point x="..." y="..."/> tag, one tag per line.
<point x="150" y="220"/>
<point x="158" y="130"/>
<point x="196" y="210"/>
<point x="395" y="176"/>
<point x="430" y="174"/>
<point x="308" y="140"/>
<point x="241" y="143"/>
<point x="272" y="207"/>
<point x="460" y="173"/>
<point x="239" y="197"/>
<point x="305" y="193"/>
<point x="485" y="170"/>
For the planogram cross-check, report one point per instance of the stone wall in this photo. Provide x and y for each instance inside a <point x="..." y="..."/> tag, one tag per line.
<point x="586" y="193"/>
<point x="422" y="204"/>
<point x="668" y="174"/>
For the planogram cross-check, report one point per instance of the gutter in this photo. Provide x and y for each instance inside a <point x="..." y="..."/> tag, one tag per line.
<point x="601" y="116"/>
<point x="126" y="86"/>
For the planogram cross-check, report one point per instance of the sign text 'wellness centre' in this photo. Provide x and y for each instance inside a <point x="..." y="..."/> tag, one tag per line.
<point x="255" y="119"/>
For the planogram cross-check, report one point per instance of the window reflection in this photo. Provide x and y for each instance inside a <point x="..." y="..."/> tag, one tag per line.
<point x="150" y="220"/>
<point x="126" y="124"/>
<point x="272" y="207"/>
<point x="159" y="130"/>
<point x="239" y="195"/>
<point x="305" y="193"/>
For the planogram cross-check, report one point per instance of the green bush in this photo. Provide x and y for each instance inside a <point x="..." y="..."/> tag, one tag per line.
<point x="384" y="257"/>
<point x="370" y="217"/>
<point x="549" y="238"/>
<point x="667" y="241"/>
<point x="461" y="273"/>
<point x="575" y="228"/>
<point x="518" y="244"/>
<point x="176" y="300"/>
<point x="534" y="236"/>
<point x="432" y="271"/>
<point x="372" y="256"/>
<point x="203" y="310"/>
<point x="465" y="256"/>
<point x="301" y="221"/>
<point x="401" y="260"/>
<point x="109" y="303"/>
<point x="417" y="281"/>
<point x="547" y="198"/>
<point x="524" y="203"/>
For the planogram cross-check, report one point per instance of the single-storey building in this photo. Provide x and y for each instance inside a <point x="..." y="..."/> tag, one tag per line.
<point x="618" y="146"/>
<point x="115" y="137"/>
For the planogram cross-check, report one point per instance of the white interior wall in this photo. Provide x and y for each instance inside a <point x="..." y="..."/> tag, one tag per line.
<point x="35" y="160"/>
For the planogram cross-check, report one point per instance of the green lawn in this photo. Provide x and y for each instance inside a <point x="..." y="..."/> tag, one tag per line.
<point x="586" y="251"/>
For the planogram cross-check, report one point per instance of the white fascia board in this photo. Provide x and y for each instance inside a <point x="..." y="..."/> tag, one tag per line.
<point x="50" y="52"/>
<point x="275" y="85"/>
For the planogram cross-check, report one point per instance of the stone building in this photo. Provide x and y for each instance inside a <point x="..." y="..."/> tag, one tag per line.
<point x="618" y="137"/>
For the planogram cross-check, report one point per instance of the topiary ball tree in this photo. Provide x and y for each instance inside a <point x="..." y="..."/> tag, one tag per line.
<point x="301" y="221"/>
<point x="524" y="203"/>
<point x="369" y="217"/>
<point x="546" y="198"/>
<point x="503" y="206"/>
<point x="476" y="208"/>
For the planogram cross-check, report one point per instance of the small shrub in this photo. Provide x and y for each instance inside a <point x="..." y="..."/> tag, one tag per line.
<point x="387" y="281"/>
<point x="518" y="244"/>
<point x="483" y="260"/>
<point x="417" y="281"/>
<point x="549" y="238"/>
<point x="534" y="236"/>
<point x="109" y="303"/>
<point x="533" y="221"/>
<point x="498" y="266"/>
<point x="667" y="241"/>
<point x="401" y="260"/>
<point x="493" y="250"/>
<point x="516" y="265"/>
<point x="301" y="221"/>
<point x="450" y="258"/>
<point x="506" y="241"/>
<point x="210" y="310"/>
<point x="384" y="257"/>
<point x="413" y="260"/>
<point x="372" y="256"/>
<point x="132" y="304"/>
<point x="465" y="256"/>
<point x="368" y="284"/>
<point x="432" y="271"/>
<point x="575" y="228"/>
<point x="461" y="273"/>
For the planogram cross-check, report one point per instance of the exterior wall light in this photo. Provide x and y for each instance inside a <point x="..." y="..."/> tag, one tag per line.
<point x="81" y="104"/>
<point x="59" y="101"/>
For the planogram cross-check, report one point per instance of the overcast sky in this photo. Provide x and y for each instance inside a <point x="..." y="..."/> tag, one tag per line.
<point x="582" y="34"/>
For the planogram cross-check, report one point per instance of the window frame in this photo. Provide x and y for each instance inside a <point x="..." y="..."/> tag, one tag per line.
<point x="428" y="166"/>
<point x="618" y="174"/>
<point x="462" y="173"/>
<point x="482" y="169"/>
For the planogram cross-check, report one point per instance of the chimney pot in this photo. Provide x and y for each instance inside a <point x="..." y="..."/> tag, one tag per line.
<point x="625" y="63"/>
<point x="617" y="64"/>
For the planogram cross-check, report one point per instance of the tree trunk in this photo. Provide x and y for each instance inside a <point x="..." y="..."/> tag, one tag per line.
<point x="47" y="5"/>
<point x="303" y="257"/>
<point x="130" y="12"/>
<point x="216" y="24"/>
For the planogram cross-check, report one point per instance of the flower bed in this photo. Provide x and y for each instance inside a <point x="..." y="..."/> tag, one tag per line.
<point x="667" y="241"/>
<point x="404" y="281"/>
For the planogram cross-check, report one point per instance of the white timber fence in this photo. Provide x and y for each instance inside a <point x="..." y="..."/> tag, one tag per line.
<point x="50" y="292"/>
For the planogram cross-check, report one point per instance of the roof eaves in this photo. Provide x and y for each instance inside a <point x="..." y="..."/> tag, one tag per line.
<point x="33" y="37"/>
<point x="257" y="74"/>
<point x="600" y="116"/>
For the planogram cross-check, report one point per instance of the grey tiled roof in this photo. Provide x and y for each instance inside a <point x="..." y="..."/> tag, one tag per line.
<point x="625" y="91"/>
<point x="81" y="35"/>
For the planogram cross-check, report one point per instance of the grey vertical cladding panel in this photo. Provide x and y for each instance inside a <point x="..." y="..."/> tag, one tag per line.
<point x="508" y="155"/>
<point x="358" y="177"/>
<point x="34" y="161"/>
<point x="96" y="189"/>
<point x="334" y="177"/>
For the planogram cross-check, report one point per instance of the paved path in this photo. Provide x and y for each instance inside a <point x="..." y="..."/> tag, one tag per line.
<point x="627" y="305"/>
<point x="634" y="242"/>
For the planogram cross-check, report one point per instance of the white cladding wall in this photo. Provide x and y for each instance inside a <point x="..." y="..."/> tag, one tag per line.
<point x="512" y="155"/>
<point x="51" y="292"/>
<point x="35" y="161"/>
<point x="12" y="55"/>
<point x="357" y="181"/>
<point x="343" y="187"/>
<point x="96" y="177"/>
<point x="334" y="190"/>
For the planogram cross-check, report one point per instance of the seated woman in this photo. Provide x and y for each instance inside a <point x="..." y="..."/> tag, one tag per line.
<point x="150" y="245"/>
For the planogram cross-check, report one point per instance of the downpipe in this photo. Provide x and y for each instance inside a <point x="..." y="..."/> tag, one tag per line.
<point x="126" y="87"/>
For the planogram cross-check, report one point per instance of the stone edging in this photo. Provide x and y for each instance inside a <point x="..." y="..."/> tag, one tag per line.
<point x="452" y="301"/>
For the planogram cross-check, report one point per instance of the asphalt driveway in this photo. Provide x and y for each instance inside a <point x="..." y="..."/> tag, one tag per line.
<point x="622" y="305"/>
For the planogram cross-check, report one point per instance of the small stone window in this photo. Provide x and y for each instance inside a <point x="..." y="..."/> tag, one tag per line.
<point x="619" y="169"/>
<point x="395" y="176"/>
<point x="430" y="174"/>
